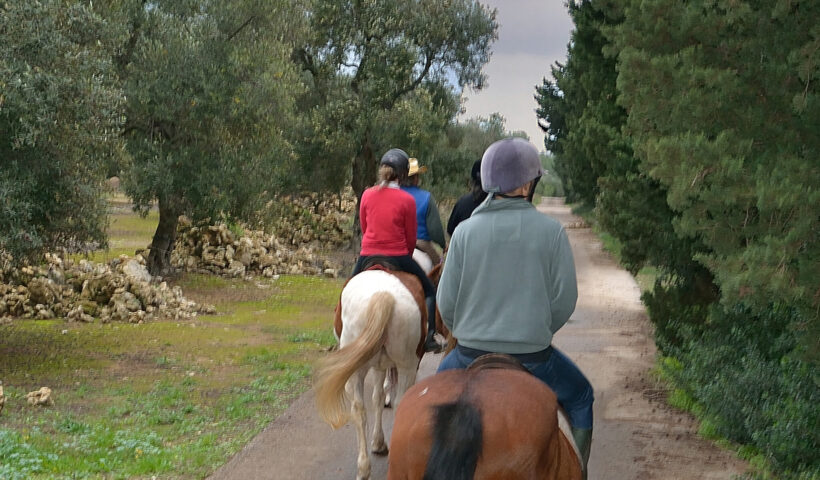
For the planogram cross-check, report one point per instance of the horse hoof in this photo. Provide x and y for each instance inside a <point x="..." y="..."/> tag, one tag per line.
<point x="380" y="451"/>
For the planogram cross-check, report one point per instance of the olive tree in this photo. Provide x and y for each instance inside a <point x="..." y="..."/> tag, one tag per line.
<point x="60" y="115"/>
<point x="209" y="89"/>
<point x="362" y="58"/>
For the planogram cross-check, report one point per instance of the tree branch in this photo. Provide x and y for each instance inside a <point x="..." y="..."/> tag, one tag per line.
<point x="428" y="63"/>
<point x="241" y="27"/>
<point x="123" y="59"/>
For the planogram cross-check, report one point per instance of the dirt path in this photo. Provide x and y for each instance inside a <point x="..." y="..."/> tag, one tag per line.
<point x="636" y="436"/>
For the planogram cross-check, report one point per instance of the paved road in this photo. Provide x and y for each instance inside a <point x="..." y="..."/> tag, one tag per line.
<point x="636" y="436"/>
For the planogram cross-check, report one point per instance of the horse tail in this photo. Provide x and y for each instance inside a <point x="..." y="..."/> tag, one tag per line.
<point x="457" y="441"/>
<point x="337" y="367"/>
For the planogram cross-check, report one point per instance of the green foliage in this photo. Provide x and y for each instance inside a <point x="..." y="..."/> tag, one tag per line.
<point x="728" y="137"/>
<point x="208" y="88"/>
<point x="750" y="386"/>
<point x="579" y="105"/>
<point x="706" y="170"/>
<point x="366" y="65"/>
<point x="60" y="112"/>
<point x="451" y="158"/>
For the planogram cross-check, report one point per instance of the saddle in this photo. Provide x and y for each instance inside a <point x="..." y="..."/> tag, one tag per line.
<point x="380" y="262"/>
<point x="496" y="361"/>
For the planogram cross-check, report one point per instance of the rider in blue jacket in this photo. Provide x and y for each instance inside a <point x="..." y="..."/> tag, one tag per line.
<point x="428" y="221"/>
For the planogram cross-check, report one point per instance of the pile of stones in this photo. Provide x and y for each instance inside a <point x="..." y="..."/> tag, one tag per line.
<point x="83" y="291"/>
<point x="216" y="249"/>
<point x="320" y="220"/>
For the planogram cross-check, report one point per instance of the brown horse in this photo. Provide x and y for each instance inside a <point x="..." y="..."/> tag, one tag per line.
<point x="482" y="423"/>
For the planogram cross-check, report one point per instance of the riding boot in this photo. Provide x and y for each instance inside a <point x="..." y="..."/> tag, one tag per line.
<point x="430" y="342"/>
<point x="583" y="440"/>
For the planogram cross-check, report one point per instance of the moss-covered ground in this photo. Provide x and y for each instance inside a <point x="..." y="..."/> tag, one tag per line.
<point x="165" y="399"/>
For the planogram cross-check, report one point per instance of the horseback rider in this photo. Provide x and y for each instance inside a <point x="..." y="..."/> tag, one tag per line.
<point x="469" y="201"/>
<point x="428" y="220"/>
<point x="388" y="219"/>
<point x="509" y="283"/>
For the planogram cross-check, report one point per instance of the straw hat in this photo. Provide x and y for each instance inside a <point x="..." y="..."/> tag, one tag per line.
<point x="415" y="168"/>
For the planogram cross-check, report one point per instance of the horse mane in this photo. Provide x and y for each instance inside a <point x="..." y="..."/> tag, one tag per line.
<point x="457" y="442"/>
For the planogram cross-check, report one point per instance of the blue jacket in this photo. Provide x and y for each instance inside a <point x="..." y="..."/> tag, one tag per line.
<point x="428" y="220"/>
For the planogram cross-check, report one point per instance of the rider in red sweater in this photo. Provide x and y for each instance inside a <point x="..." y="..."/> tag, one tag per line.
<point x="388" y="219"/>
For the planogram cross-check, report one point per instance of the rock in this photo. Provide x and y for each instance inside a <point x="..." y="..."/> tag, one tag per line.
<point x="235" y="269"/>
<point x="41" y="397"/>
<point x="135" y="271"/>
<point x="207" y="309"/>
<point x="41" y="290"/>
<point x="129" y="300"/>
<point x="89" y="307"/>
<point x="43" y="312"/>
<point x="244" y="251"/>
<point x="78" y="315"/>
<point x="330" y="273"/>
<point x="86" y="266"/>
<point x="98" y="288"/>
<point x="119" y="312"/>
<point x="56" y="274"/>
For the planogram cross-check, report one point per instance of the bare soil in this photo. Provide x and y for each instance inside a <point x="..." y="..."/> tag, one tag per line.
<point x="637" y="436"/>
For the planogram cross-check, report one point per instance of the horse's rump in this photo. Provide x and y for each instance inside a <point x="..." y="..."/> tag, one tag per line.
<point x="382" y="330"/>
<point x="519" y="427"/>
<point x="412" y="283"/>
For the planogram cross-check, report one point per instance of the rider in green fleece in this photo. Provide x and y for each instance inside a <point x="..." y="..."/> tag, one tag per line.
<point x="509" y="283"/>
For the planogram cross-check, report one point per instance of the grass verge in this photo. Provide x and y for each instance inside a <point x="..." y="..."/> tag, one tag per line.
<point x="165" y="399"/>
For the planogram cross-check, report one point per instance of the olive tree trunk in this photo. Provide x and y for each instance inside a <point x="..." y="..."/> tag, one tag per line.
<point x="159" y="259"/>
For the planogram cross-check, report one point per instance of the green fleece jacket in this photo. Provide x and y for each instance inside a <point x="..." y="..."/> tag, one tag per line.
<point x="509" y="279"/>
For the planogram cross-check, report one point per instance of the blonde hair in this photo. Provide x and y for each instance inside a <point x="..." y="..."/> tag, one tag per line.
<point x="386" y="174"/>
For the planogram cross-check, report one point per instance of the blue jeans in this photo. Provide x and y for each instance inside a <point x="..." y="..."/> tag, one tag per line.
<point x="572" y="388"/>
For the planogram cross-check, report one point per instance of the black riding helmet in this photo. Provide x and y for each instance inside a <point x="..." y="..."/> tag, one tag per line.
<point x="398" y="159"/>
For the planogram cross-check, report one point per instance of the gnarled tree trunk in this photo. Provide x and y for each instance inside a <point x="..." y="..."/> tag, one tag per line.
<point x="364" y="176"/>
<point x="159" y="259"/>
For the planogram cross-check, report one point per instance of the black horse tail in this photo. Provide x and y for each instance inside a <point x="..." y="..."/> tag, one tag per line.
<point x="457" y="441"/>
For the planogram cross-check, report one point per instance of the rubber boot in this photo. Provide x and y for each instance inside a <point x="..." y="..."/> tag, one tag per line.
<point x="430" y="343"/>
<point x="583" y="440"/>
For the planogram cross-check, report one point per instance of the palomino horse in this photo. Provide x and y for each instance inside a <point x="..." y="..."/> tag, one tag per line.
<point x="492" y="421"/>
<point x="381" y="326"/>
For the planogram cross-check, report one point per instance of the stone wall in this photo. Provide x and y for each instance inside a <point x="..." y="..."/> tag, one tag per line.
<point x="218" y="250"/>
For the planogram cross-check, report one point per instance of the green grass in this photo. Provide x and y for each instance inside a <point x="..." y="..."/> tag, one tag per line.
<point x="164" y="399"/>
<point x="127" y="231"/>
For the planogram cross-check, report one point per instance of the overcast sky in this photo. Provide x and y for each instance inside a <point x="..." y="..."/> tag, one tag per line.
<point x="532" y="36"/>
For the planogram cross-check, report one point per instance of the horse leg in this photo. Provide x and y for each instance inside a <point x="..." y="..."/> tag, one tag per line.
<point x="378" y="446"/>
<point x="390" y="386"/>
<point x="360" y="421"/>
<point x="406" y="379"/>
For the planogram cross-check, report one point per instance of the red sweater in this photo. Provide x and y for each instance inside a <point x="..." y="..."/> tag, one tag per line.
<point x="388" y="219"/>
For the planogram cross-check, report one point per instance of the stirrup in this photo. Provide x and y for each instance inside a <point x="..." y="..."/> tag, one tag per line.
<point x="431" y="345"/>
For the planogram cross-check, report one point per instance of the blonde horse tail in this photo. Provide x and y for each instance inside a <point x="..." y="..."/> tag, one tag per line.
<point x="337" y="367"/>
